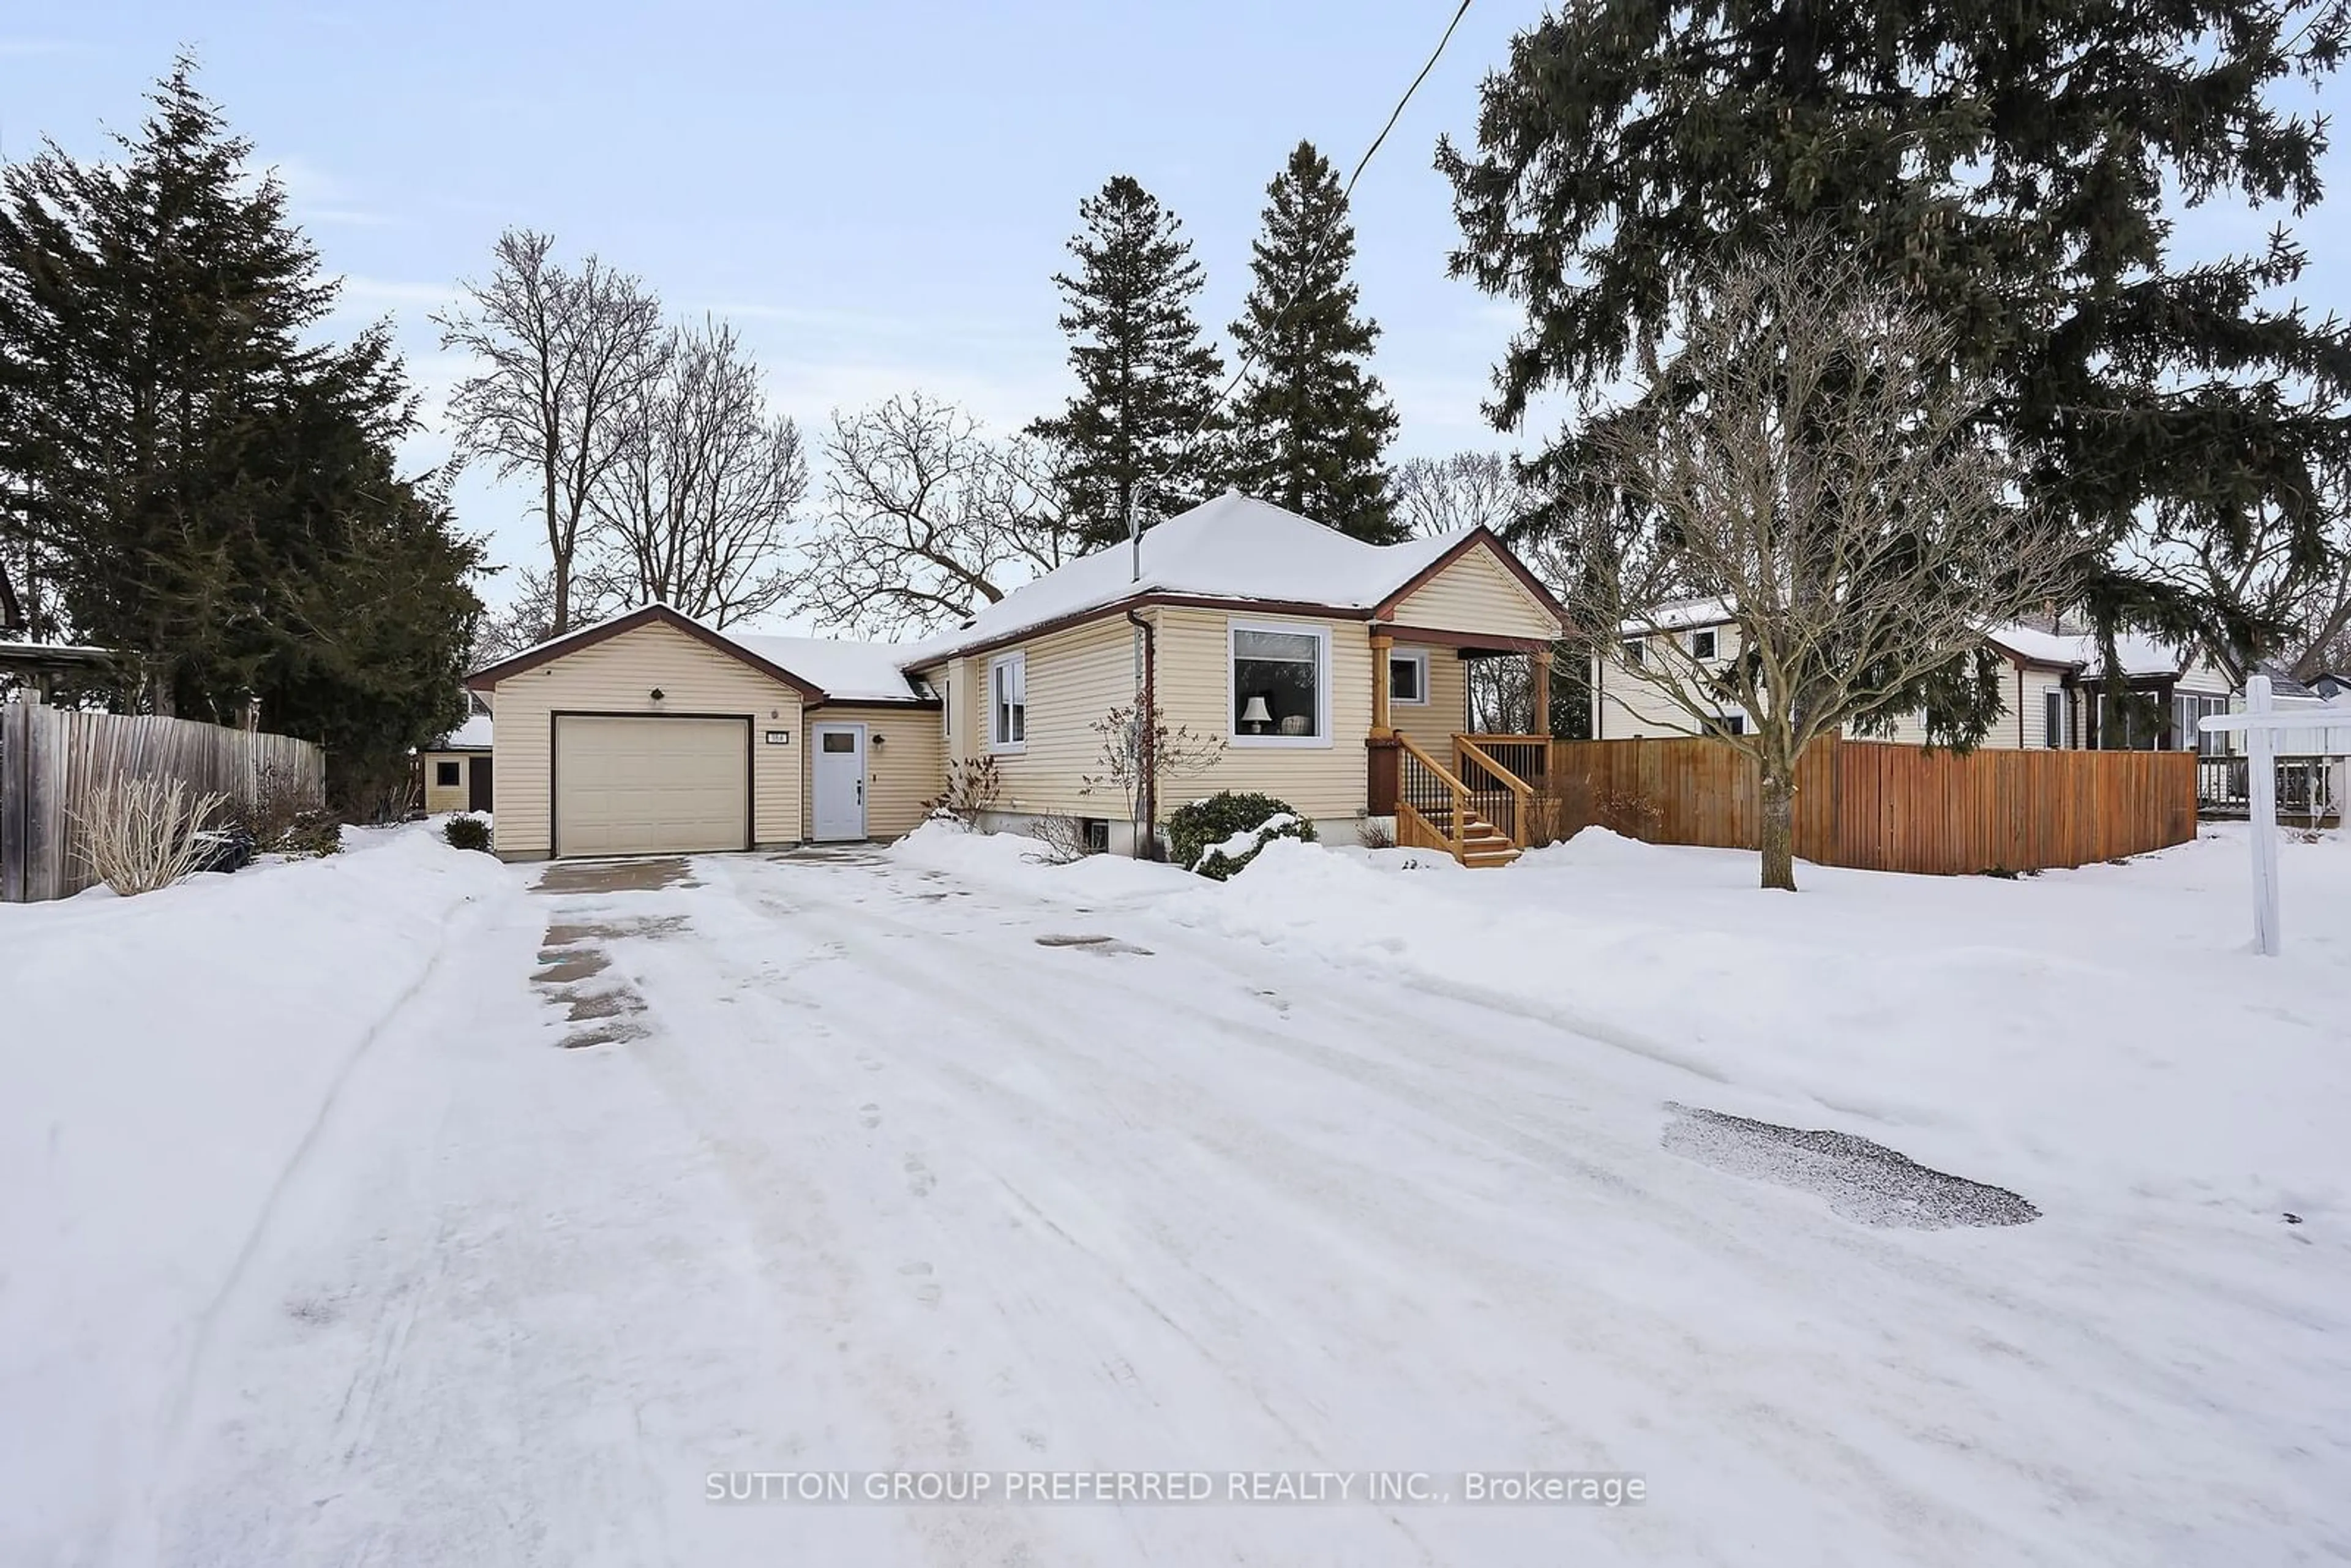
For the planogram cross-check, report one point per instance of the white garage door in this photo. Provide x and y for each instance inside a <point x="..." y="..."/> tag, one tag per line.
<point x="651" y="786"/>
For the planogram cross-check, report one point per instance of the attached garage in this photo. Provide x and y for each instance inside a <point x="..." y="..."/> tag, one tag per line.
<point x="653" y="734"/>
<point x="651" y="784"/>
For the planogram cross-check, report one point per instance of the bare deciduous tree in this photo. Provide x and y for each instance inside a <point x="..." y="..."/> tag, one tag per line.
<point x="926" y="519"/>
<point x="1813" y="458"/>
<point x="527" y="619"/>
<point x="696" y="502"/>
<point x="2296" y="601"/>
<point x="1437" y="496"/>
<point x="564" y="351"/>
<point x="1136" y="759"/>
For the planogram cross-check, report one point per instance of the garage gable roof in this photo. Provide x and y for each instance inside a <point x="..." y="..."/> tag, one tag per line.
<point x="570" y="643"/>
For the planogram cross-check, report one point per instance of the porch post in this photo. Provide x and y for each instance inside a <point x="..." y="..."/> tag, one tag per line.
<point x="1540" y="660"/>
<point x="1382" y="644"/>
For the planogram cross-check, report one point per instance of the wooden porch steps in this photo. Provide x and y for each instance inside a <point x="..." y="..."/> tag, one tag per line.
<point x="1482" y="843"/>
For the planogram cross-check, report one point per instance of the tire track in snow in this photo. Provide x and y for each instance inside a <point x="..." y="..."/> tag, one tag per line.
<point x="1758" y="1241"/>
<point x="166" y="1466"/>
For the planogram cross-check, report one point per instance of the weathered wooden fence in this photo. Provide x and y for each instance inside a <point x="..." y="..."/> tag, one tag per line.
<point x="53" y="761"/>
<point x="1880" y="806"/>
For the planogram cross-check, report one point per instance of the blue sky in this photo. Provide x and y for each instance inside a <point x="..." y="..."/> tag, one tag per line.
<point x="876" y="194"/>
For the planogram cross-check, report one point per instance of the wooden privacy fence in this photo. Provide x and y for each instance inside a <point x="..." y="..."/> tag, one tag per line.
<point x="54" y="761"/>
<point x="1881" y="806"/>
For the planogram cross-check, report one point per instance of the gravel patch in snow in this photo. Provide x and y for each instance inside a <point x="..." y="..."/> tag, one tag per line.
<point x="1864" y="1181"/>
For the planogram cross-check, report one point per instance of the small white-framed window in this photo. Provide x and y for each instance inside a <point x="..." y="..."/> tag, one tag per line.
<point x="1007" y="703"/>
<point x="1731" y="723"/>
<point x="1279" y="676"/>
<point x="2186" y="710"/>
<point x="1408" y="677"/>
<point x="2052" y="719"/>
<point x="1702" y="644"/>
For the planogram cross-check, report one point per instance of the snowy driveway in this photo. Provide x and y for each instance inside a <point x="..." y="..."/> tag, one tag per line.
<point x="907" y="1170"/>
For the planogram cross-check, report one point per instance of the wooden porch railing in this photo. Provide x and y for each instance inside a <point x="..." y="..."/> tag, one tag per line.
<point x="1497" y="792"/>
<point x="1432" y="804"/>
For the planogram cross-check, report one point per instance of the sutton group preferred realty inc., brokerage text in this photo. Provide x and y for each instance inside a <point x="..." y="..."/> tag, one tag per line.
<point x="1577" y="1489"/>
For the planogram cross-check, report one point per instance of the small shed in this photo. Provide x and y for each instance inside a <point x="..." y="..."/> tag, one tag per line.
<point x="455" y="771"/>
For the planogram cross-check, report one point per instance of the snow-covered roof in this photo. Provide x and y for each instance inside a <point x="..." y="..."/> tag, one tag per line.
<point x="842" y="669"/>
<point x="2141" y="655"/>
<point x="1231" y="548"/>
<point x="1680" y="615"/>
<point x="53" y="653"/>
<point x="846" y="671"/>
<point x="473" y="734"/>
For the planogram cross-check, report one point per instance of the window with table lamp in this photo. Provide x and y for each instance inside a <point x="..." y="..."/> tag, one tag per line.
<point x="1281" y="684"/>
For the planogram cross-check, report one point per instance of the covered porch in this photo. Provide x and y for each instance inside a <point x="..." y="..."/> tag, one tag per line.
<point x="1447" y="784"/>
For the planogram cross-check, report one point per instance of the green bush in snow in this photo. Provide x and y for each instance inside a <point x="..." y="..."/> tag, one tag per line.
<point x="1198" y="834"/>
<point x="468" y="833"/>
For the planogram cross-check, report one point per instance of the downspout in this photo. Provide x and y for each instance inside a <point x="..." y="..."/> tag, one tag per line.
<point x="1146" y="740"/>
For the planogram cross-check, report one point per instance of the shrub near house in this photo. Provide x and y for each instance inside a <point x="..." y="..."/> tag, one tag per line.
<point x="1218" y="836"/>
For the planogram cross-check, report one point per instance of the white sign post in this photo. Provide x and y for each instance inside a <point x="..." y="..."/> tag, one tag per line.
<point x="2261" y="723"/>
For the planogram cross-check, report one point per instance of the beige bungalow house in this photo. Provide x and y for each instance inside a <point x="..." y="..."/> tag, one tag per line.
<point x="1330" y="672"/>
<point x="2050" y="692"/>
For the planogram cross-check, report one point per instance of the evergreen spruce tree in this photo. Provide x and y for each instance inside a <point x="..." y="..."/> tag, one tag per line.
<point x="2012" y="168"/>
<point x="1132" y="435"/>
<point x="1311" y="423"/>
<point x="207" y="490"/>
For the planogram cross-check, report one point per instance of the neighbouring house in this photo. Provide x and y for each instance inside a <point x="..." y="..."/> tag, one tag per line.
<point x="2050" y="688"/>
<point x="454" y="772"/>
<point x="1330" y="672"/>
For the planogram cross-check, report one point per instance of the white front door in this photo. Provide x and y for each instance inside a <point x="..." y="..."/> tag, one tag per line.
<point x="839" y="783"/>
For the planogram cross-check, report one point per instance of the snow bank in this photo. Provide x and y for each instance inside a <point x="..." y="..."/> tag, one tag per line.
<point x="165" y="1061"/>
<point x="1016" y="863"/>
<point x="2105" y="1031"/>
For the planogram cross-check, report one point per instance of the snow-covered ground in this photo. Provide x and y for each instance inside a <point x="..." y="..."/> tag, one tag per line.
<point x="316" y="1247"/>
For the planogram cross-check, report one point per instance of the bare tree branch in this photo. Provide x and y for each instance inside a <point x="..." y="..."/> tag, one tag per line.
<point x="562" y="351"/>
<point x="1437" y="496"/>
<point x="926" y="521"/>
<point x="697" y="497"/>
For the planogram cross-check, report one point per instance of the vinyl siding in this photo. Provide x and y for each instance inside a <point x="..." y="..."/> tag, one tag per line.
<point x="1633" y="705"/>
<point x="439" y="797"/>
<point x="616" y="676"/>
<point x="908" y="769"/>
<point x="1432" y="726"/>
<point x="1475" y="592"/>
<point x="1075" y="676"/>
<point x="1196" y="691"/>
